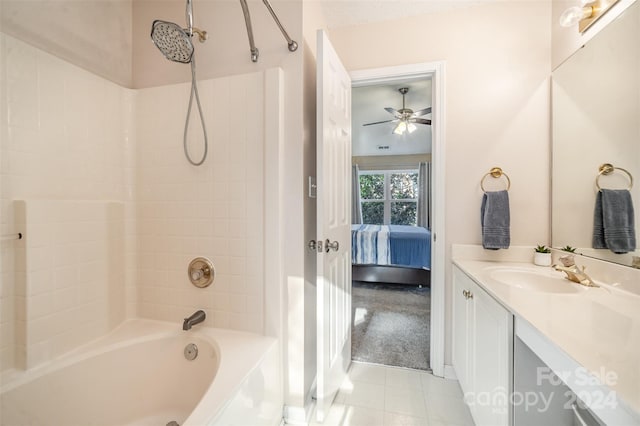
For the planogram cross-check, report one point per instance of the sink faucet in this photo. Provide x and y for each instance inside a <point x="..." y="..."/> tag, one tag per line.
<point x="576" y="274"/>
<point x="194" y="319"/>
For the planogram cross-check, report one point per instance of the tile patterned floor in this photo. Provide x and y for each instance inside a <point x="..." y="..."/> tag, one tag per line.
<point x="376" y="395"/>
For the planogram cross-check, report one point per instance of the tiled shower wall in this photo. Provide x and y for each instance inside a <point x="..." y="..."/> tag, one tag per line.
<point x="215" y="210"/>
<point x="73" y="266"/>
<point x="66" y="135"/>
<point x="69" y="135"/>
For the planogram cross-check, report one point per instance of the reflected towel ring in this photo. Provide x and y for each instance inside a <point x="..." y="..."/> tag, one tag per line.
<point x="607" y="169"/>
<point x="495" y="172"/>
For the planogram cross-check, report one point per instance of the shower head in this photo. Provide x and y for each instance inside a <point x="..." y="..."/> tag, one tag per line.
<point x="174" y="42"/>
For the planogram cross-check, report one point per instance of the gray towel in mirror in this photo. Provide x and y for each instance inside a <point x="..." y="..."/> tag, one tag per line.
<point x="495" y="220"/>
<point x="614" y="221"/>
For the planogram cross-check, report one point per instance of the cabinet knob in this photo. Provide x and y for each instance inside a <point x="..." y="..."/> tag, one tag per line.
<point x="467" y="294"/>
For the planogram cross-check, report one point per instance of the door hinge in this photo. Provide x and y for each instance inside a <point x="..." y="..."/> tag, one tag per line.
<point x="313" y="188"/>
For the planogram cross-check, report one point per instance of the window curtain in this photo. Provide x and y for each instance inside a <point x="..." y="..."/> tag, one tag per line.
<point x="424" y="195"/>
<point x="356" y="206"/>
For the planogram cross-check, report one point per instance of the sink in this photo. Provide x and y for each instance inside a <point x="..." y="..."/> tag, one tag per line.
<point x="541" y="282"/>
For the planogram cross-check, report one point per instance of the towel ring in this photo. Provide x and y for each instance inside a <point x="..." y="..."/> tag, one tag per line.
<point x="495" y="172"/>
<point x="607" y="169"/>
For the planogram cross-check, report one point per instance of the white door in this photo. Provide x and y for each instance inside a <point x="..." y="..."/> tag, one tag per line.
<point x="334" y="224"/>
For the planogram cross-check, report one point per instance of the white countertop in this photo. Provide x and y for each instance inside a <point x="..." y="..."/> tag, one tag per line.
<point x="599" y="327"/>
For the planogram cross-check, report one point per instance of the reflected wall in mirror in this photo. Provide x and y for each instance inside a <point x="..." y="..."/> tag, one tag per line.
<point x="596" y="120"/>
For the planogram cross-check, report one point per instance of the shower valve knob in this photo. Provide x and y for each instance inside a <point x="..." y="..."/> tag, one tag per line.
<point x="201" y="272"/>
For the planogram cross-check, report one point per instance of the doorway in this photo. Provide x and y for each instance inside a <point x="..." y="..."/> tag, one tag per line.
<point x="414" y="305"/>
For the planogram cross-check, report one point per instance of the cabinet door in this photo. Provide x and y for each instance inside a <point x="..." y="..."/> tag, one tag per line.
<point x="482" y="351"/>
<point x="462" y="344"/>
<point x="493" y="344"/>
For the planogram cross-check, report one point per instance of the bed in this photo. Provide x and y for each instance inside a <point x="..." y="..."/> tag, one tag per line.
<point x="391" y="253"/>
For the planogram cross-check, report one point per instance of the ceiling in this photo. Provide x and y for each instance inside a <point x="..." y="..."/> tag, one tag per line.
<point x="343" y="13"/>
<point x="367" y="105"/>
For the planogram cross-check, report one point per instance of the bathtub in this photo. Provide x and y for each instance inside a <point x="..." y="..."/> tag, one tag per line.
<point x="139" y="375"/>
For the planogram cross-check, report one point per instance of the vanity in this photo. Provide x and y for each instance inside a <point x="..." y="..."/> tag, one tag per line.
<point x="533" y="348"/>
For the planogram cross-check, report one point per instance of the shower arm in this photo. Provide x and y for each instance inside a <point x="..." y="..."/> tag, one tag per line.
<point x="293" y="46"/>
<point x="190" y="30"/>
<point x="247" y="19"/>
<point x="189" y="18"/>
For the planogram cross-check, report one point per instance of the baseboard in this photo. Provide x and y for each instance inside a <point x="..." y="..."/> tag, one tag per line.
<point x="299" y="415"/>
<point x="302" y="415"/>
<point x="295" y="415"/>
<point x="450" y="373"/>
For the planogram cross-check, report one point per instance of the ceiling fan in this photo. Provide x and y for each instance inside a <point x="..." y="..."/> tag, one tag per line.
<point x="405" y="117"/>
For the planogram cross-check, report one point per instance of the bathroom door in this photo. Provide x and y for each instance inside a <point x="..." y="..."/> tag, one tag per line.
<point x="333" y="224"/>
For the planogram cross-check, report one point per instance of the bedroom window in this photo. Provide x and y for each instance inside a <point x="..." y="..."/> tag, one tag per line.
<point x="389" y="197"/>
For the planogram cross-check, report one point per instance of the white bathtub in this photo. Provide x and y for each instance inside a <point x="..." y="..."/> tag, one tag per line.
<point x="138" y="375"/>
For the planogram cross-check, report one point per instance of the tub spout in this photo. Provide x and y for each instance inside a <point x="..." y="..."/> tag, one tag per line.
<point x="194" y="319"/>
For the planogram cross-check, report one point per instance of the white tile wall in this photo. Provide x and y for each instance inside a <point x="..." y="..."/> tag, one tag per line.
<point x="74" y="281"/>
<point x="71" y="139"/>
<point x="215" y="210"/>
<point x="66" y="135"/>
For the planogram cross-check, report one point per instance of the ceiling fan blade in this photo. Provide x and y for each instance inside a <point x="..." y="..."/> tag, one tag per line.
<point x="393" y="111"/>
<point x="420" y="112"/>
<point x="378" y="122"/>
<point x="421" y="121"/>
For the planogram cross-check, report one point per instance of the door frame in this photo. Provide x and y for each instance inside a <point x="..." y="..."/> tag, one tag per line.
<point x="435" y="70"/>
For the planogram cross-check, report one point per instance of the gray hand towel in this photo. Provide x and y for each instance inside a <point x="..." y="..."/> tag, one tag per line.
<point x="614" y="221"/>
<point x="495" y="220"/>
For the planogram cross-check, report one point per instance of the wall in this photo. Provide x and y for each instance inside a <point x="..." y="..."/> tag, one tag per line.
<point x="497" y="101"/>
<point x="390" y="162"/>
<point x="94" y="35"/>
<point x="70" y="286"/>
<point x="214" y="211"/>
<point x="66" y="137"/>
<point x="226" y="52"/>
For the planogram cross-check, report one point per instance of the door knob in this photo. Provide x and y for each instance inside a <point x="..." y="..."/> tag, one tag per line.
<point x="328" y="245"/>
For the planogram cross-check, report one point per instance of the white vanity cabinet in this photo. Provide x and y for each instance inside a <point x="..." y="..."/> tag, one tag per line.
<point x="482" y="351"/>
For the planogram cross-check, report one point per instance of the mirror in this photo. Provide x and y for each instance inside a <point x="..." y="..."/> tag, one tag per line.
<point x="596" y="120"/>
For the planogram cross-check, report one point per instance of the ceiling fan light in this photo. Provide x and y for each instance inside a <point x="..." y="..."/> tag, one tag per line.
<point x="411" y="127"/>
<point x="400" y="128"/>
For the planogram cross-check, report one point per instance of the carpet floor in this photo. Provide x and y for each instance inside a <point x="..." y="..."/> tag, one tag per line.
<point x="391" y="325"/>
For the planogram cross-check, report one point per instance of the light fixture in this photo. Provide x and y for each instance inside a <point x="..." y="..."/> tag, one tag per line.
<point x="404" y="126"/>
<point x="400" y="128"/>
<point x="588" y="12"/>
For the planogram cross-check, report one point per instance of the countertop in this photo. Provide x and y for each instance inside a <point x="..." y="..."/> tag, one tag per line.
<point x="599" y="328"/>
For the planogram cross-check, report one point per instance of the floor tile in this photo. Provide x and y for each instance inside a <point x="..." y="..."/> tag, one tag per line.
<point x="346" y="415"/>
<point x="439" y="386"/>
<point x="408" y="401"/>
<point x="401" y="377"/>
<point x="377" y="395"/>
<point x="362" y="394"/>
<point x="395" y="419"/>
<point x="448" y="410"/>
<point x="369" y="373"/>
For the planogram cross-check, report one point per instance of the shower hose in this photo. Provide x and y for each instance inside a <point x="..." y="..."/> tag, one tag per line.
<point x="194" y="90"/>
